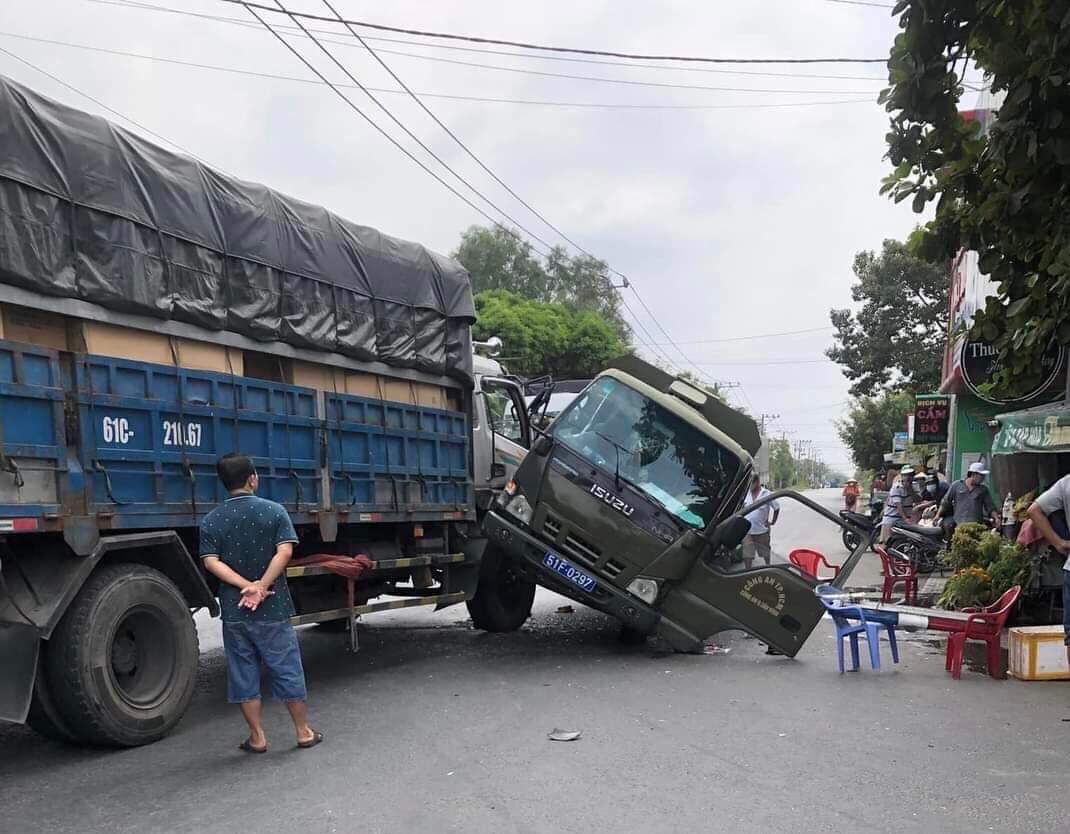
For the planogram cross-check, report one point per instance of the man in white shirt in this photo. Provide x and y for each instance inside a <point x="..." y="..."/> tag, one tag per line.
<point x="1055" y="499"/>
<point x="757" y="540"/>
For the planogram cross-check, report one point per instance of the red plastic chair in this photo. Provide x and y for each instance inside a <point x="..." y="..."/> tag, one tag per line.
<point x="896" y="572"/>
<point x="810" y="562"/>
<point x="986" y="625"/>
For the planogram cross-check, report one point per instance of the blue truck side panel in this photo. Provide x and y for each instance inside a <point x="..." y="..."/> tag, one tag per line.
<point x="32" y="444"/>
<point x="148" y="437"/>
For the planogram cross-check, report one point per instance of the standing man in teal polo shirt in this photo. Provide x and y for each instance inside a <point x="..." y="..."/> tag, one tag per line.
<point x="245" y="537"/>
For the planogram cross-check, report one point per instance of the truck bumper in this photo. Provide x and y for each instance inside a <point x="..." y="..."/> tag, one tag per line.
<point x="524" y="546"/>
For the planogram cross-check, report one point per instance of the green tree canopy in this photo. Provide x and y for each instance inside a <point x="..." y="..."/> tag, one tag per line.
<point x="498" y="260"/>
<point x="1004" y="193"/>
<point x="896" y="338"/>
<point x="545" y="338"/>
<point x="870" y="423"/>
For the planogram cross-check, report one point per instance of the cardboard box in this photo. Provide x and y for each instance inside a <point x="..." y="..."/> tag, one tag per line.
<point x="144" y="346"/>
<point x="1037" y="653"/>
<point x="35" y="327"/>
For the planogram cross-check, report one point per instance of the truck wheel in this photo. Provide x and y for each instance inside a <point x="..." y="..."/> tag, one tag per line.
<point x="123" y="661"/>
<point x="503" y="597"/>
<point x="45" y="717"/>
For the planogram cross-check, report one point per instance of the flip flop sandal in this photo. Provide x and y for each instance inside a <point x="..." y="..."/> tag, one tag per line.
<point x="248" y="747"/>
<point x="317" y="737"/>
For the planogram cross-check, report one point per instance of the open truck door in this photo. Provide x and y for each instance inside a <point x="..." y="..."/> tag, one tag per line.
<point x="775" y="603"/>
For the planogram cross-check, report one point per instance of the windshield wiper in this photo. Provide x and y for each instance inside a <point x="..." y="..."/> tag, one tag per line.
<point x="618" y="449"/>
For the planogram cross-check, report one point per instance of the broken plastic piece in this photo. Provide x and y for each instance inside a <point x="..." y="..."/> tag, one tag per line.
<point x="564" y="735"/>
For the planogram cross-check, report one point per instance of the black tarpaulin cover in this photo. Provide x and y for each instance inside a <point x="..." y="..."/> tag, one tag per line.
<point x="91" y="211"/>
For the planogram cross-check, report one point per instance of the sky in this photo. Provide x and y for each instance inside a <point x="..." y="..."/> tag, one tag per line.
<point x="733" y="220"/>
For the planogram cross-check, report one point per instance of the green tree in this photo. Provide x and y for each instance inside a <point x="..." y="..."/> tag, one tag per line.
<point x="783" y="471"/>
<point x="896" y="338"/>
<point x="498" y="260"/>
<point x="870" y="423"/>
<point x="545" y="338"/>
<point x="1004" y="193"/>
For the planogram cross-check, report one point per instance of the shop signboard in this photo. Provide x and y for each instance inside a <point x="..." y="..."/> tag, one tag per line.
<point x="980" y="362"/>
<point x="932" y="415"/>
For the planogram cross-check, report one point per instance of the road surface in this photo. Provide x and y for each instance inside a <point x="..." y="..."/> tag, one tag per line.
<point x="435" y="727"/>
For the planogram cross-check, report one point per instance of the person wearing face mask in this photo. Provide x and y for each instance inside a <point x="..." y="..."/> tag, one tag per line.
<point x="935" y="489"/>
<point x="968" y="501"/>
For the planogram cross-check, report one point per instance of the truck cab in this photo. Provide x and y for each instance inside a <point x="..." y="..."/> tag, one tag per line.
<point x="626" y="504"/>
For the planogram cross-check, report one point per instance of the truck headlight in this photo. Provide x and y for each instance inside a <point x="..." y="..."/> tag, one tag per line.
<point x="519" y="508"/>
<point x="645" y="589"/>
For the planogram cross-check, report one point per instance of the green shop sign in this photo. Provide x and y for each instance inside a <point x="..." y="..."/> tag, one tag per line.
<point x="1037" y="430"/>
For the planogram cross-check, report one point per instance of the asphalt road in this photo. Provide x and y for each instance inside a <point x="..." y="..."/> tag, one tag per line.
<point x="435" y="727"/>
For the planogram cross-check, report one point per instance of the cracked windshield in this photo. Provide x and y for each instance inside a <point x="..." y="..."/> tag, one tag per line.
<point x="654" y="450"/>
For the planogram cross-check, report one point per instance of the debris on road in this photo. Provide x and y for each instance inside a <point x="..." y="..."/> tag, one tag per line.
<point x="564" y="735"/>
<point x="713" y="648"/>
<point x="566" y="609"/>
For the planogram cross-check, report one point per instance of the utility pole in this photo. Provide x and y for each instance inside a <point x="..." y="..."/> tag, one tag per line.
<point x="763" y="418"/>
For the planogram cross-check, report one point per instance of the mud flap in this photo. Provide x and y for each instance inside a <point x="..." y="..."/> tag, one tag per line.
<point x="19" y="647"/>
<point x="463" y="577"/>
<point x="775" y="604"/>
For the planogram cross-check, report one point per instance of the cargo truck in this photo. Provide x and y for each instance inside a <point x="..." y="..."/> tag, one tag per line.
<point x="155" y="314"/>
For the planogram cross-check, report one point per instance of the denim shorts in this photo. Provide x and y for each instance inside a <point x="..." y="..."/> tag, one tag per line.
<point x="1066" y="606"/>
<point x="248" y="644"/>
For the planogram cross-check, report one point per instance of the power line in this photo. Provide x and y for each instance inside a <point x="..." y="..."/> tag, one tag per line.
<point x="751" y="338"/>
<point x="133" y="4"/>
<point x="622" y="81"/>
<point x="771" y="362"/>
<point x="104" y="106"/>
<point x="452" y="97"/>
<point x="248" y="4"/>
<point x="863" y="3"/>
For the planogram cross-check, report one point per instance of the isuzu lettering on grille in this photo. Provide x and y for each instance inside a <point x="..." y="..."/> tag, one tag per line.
<point x="618" y="504"/>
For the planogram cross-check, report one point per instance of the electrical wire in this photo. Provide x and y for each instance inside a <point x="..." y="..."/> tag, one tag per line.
<point x="133" y="4"/>
<point x="863" y="3"/>
<point x="751" y="338"/>
<point x="451" y="97"/>
<point x="104" y="106"/>
<point x="250" y="5"/>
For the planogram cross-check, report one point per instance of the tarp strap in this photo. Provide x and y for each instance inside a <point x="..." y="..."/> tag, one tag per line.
<point x="180" y="389"/>
<point x="386" y="443"/>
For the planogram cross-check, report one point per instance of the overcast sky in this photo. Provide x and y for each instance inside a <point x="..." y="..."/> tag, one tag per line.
<point x="730" y="222"/>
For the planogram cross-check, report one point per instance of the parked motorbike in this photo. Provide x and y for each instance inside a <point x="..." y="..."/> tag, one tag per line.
<point x="864" y="525"/>
<point x="922" y="543"/>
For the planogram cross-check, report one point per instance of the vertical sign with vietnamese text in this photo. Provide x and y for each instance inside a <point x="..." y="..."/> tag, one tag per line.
<point x="932" y="414"/>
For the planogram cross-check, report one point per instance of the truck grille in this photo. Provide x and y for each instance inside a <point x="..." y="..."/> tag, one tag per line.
<point x="583" y="551"/>
<point x="613" y="568"/>
<point x="551" y="527"/>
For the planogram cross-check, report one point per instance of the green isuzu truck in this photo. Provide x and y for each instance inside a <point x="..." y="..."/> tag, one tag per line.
<point x="628" y="503"/>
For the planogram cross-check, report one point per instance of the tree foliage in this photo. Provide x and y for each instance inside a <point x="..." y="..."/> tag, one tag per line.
<point x="896" y="338"/>
<point x="870" y="423"/>
<point x="498" y="260"/>
<point x="545" y="338"/>
<point x="1005" y="193"/>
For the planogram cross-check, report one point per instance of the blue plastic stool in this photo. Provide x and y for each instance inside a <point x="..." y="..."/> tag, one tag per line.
<point x="844" y="617"/>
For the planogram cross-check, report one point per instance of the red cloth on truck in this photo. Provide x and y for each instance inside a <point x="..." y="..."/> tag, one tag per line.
<point x="351" y="567"/>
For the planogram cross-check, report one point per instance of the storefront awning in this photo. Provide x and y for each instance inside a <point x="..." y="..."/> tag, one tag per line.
<point x="1044" y="429"/>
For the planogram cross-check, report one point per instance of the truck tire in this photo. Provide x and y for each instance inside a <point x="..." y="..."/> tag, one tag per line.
<point x="123" y="661"/>
<point x="503" y="597"/>
<point x="45" y="717"/>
